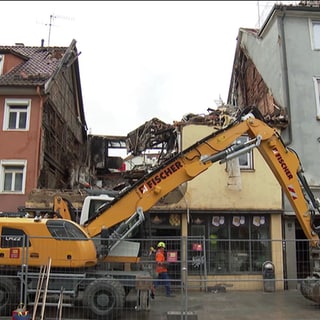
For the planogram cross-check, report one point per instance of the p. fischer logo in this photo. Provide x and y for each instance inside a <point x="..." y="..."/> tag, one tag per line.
<point x="282" y="163"/>
<point x="162" y="175"/>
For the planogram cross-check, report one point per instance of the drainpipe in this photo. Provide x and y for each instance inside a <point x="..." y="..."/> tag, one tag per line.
<point x="285" y="75"/>
<point x="289" y="128"/>
<point x="38" y="160"/>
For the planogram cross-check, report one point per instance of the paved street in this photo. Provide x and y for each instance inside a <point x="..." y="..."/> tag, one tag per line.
<point x="229" y="305"/>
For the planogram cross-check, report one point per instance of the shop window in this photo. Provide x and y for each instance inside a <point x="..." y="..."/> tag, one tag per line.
<point x="197" y="258"/>
<point x="239" y="244"/>
<point x="234" y="243"/>
<point x="219" y="244"/>
<point x="260" y="242"/>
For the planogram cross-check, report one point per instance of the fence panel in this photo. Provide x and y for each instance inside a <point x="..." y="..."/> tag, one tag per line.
<point x="195" y="266"/>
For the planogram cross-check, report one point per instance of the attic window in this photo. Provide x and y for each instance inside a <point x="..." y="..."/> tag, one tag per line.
<point x="246" y="159"/>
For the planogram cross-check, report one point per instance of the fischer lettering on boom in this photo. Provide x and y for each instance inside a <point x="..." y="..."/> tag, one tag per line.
<point x="282" y="163"/>
<point x="162" y="175"/>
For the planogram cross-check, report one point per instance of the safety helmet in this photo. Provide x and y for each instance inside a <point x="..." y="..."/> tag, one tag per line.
<point x="161" y="245"/>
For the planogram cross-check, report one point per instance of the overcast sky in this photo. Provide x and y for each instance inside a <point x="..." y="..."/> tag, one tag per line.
<point x="140" y="59"/>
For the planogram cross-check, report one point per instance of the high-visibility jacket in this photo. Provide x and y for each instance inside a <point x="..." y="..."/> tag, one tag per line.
<point x="161" y="265"/>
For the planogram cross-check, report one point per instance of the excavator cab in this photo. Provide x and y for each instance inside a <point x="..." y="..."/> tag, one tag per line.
<point x="61" y="240"/>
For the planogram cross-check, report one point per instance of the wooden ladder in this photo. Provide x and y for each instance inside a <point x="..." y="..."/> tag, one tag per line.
<point x="42" y="287"/>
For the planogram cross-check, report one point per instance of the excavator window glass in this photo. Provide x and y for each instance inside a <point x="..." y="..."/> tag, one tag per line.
<point x="95" y="205"/>
<point x="62" y="229"/>
<point x="12" y="238"/>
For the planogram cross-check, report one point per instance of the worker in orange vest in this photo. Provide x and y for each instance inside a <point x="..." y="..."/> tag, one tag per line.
<point x="162" y="269"/>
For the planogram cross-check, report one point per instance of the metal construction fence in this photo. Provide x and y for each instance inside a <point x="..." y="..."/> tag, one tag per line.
<point x="120" y="287"/>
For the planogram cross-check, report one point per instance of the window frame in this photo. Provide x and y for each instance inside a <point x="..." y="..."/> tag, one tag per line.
<point x="315" y="44"/>
<point x="249" y="156"/>
<point x="16" y="103"/>
<point x="13" y="163"/>
<point x="230" y="253"/>
<point x="1" y="63"/>
<point x="316" y="81"/>
<point x="13" y="238"/>
<point x="65" y="230"/>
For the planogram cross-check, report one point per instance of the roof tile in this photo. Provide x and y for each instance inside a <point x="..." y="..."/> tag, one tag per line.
<point x="39" y="64"/>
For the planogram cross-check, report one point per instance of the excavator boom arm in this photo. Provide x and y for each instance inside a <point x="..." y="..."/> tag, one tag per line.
<point x="286" y="167"/>
<point x="188" y="164"/>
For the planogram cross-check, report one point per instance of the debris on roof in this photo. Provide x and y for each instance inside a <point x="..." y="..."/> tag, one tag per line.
<point x="36" y="67"/>
<point x="218" y="118"/>
<point x="153" y="134"/>
<point x="310" y="3"/>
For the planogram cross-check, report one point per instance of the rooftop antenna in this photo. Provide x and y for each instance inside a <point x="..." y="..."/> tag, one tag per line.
<point x="259" y="23"/>
<point x="50" y="24"/>
<point x="52" y="17"/>
<point x="264" y="8"/>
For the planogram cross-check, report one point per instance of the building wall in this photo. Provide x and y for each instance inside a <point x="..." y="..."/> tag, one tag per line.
<point x="305" y="125"/>
<point x="21" y="145"/>
<point x="10" y="62"/>
<point x="54" y="144"/>
<point x="285" y="47"/>
<point x="209" y="194"/>
<point x="257" y="190"/>
<point x="64" y="155"/>
<point x="266" y="55"/>
<point x="244" y="281"/>
<point x="283" y="55"/>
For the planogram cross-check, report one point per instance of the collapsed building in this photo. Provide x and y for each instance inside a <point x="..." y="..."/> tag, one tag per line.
<point x="151" y="144"/>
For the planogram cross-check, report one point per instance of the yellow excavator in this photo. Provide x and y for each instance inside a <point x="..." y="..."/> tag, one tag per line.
<point x="79" y="252"/>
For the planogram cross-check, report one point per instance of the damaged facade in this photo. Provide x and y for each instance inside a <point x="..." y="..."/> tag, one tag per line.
<point x="147" y="146"/>
<point x="111" y="170"/>
<point x="42" y="113"/>
<point x="249" y="89"/>
<point x="268" y="73"/>
<point x="276" y="68"/>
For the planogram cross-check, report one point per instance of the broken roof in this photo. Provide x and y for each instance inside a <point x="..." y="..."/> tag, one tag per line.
<point x="38" y="65"/>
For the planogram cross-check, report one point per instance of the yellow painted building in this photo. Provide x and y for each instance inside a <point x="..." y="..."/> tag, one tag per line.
<point x="236" y="207"/>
